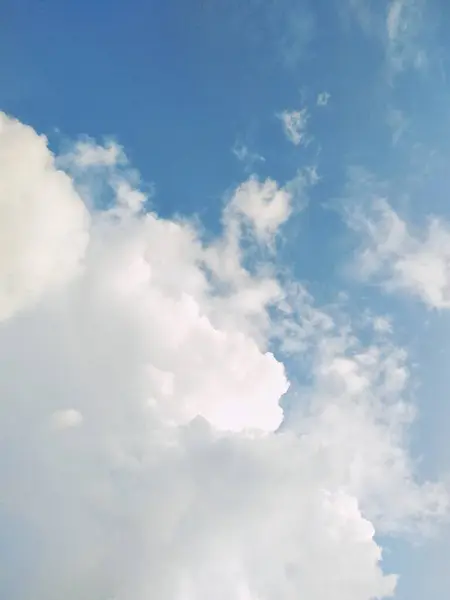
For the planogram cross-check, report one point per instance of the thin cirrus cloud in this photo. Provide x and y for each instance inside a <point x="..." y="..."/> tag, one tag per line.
<point x="323" y="99"/>
<point x="248" y="158"/>
<point x="400" y="28"/>
<point x="404" y="24"/>
<point x="294" y="125"/>
<point x="149" y="450"/>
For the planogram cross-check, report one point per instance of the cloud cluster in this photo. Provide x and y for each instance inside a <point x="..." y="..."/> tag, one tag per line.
<point x="144" y="448"/>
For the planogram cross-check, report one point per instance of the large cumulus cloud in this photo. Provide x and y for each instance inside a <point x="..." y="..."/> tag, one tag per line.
<point x="144" y="451"/>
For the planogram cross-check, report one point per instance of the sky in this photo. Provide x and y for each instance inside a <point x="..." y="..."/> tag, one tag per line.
<point x="224" y="300"/>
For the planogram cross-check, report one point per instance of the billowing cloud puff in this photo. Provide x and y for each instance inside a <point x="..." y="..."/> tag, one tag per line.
<point x="144" y="449"/>
<point x="263" y="206"/>
<point x="43" y="222"/>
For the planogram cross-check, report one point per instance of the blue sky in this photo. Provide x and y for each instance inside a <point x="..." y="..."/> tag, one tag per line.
<point x="296" y="158"/>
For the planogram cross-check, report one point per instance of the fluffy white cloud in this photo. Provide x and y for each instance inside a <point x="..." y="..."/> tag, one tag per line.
<point x="263" y="205"/>
<point x="417" y="263"/>
<point x="359" y="414"/>
<point x="87" y="153"/>
<point x="43" y="222"/>
<point x="294" y="125"/>
<point x="140" y="412"/>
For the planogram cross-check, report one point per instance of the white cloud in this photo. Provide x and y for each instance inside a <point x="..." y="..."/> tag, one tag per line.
<point x="362" y="11"/>
<point x="263" y="205"/>
<point x="403" y="24"/>
<point x="417" y="263"/>
<point x="97" y="170"/>
<point x="43" y="222"/>
<point x="87" y="153"/>
<point x="323" y="98"/>
<point x="394" y="22"/>
<point x="360" y="414"/>
<point x="64" y="419"/>
<point x="399" y="29"/>
<point x="167" y="476"/>
<point x="398" y="124"/>
<point x="245" y="156"/>
<point x="294" y="125"/>
<point x="382" y="325"/>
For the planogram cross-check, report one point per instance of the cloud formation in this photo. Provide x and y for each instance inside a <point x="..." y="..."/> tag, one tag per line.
<point x="86" y="153"/>
<point x="246" y="156"/>
<point x="404" y="21"/>
<point x="44" y="224"/>
<point x="323" y="98"/>
<point x="294" y="125"/>
<point x="145" y="449"/>
<point x="399" y="26"/>
<point x="413" y="262"/>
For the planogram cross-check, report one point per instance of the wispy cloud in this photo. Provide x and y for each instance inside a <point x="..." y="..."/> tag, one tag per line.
<point x="284" y="28"/>
<point x="398" y="123"/>
<point x="300" y="185"/>
<point x="399" y="26"/>
<point x="86" y="153"/>
<point x="391" y="254"/>
<point x="294" y="125"/>
<point x="404" y="22"/>
<point x="296" y="32"/>
<point x="323" y="98"/>
<point x="394" y="19"/>
<point x="248" y="158"/>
